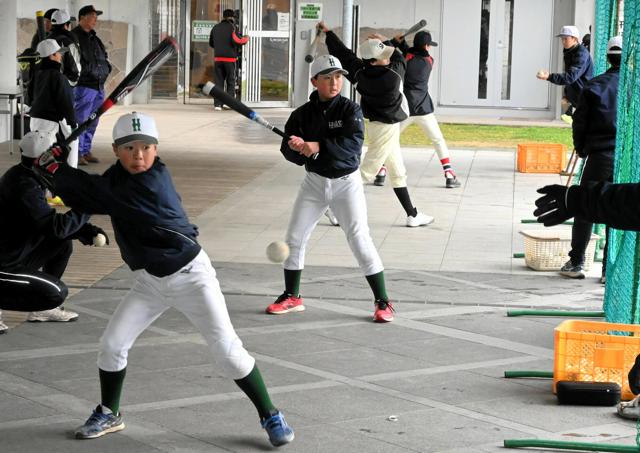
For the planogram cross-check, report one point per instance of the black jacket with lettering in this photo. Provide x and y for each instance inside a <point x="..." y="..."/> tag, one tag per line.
<point x="339" y="128"/>
<point x="93" y="58"/>
<point x="380" y="87"/>
<point x="28" y="222"/>
<point x="149" y="223"/>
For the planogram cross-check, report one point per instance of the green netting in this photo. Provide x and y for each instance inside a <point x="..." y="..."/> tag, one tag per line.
<point x="622" y="300"/>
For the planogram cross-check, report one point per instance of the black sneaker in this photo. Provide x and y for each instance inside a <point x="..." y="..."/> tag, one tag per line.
<point x="380" y="177"/>
<point x="572" y="270"/>
<point x="452" y="183"/>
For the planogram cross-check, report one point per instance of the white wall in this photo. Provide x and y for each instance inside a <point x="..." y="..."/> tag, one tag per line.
<point x="7" y="60"/>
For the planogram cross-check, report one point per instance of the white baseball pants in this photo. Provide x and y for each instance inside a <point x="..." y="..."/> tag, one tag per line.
<point x="384" y="147"/>
<point x="345" y="197"/>
<point x="195" y="292"/>
<point x="51" y="128"/>
<point x="429" y="125"/>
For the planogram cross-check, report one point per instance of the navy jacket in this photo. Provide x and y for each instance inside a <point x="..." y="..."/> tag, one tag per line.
<point x="616" y="205"/>
<point x="380" y="87"/>
<point x="595" y="119"/>
<point x="149" y="223"/>
<point x="27" y="221"/>
<point x="52" y="94"/>
<point x="578" y="69"/>
<point x="93" y="58"/>
<point x="339" y="128"/>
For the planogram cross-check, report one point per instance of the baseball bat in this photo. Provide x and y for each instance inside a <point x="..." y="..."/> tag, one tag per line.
<point x="42" y="32"/>
<point x="312" y="48"/>
<point x="147" y="66"/>
<point x="210" y="89"/>
<point x="415" y="28"/>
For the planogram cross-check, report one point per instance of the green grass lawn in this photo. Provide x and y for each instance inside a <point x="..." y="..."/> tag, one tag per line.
<point x="489" y="136"/>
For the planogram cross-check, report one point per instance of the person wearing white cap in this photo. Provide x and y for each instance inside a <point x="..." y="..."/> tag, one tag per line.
<point x="331" y="128"/>
<point x="578" y="67"/>
<point x="379" y="74"/>
<point x="158" y="241"/>
<point x="52" y="109"/>
<point x="594" y="138"/>
<point x="61" y="32"/>
<point x="35" y="240"/>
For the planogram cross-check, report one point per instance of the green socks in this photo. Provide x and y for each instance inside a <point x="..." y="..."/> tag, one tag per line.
<point x="253" y="386"/>
<point x="111" y="388"/>
<point x="376" y="282"/>
<point x="292" y="281"/>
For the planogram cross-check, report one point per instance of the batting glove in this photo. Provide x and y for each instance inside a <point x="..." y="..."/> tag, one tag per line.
<point x="50" y="160"/>
<point x="553" y="207"/>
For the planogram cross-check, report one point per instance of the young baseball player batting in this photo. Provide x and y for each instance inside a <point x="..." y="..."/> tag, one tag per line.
<point x="379" y="74"/>
<point x="157" y="241"/>
<point x="331" y="126"/>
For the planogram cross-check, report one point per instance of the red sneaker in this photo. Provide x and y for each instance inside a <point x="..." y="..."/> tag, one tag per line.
<point x="284" y="304"/>
<point x="384" y="311"/>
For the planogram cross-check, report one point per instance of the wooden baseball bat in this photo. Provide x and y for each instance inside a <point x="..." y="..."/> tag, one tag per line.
<point x="42" y="31"/>
<point x="415" y="28"/>
<point x="210" y="89"/>
<point x="312" y="48"/>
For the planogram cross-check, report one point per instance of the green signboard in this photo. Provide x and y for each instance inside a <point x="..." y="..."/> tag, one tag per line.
<point x="310" y="11"/>
<point x="201" y="29"/>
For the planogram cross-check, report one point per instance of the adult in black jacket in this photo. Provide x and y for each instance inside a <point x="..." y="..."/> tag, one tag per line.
<point x="379" y="74"/>
<point x="226" y="41"/>
<point x="52" y="109"/>
<point x="594" y="138"/>
<point x="332" y="127"/>
<point x="89" y="92"/>
<point x="578" y="67"/>
<point x="33" y="236"/>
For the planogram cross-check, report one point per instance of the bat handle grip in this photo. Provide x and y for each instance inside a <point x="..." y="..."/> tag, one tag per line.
<point x="285" y="136"/>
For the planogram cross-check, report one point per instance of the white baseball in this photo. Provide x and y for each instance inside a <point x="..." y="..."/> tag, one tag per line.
<point x="277" y="251"/>
<point x="99" y="240"/>
<point x="541" y="73"/>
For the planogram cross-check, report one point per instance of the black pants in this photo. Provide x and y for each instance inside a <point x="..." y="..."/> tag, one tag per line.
<point x="26" y="288"/>
<point x="225" y="76"/>
<point x="599" y="167"/>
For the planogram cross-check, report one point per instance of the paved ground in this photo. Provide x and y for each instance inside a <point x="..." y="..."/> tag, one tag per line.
<point x="339" y="378"/>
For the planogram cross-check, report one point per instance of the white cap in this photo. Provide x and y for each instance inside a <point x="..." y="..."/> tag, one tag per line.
<point x="34" y="143"/>
<point x="616" y="41"/>
<point x="49" y="47"/>
<point x="374" y="48"/>
<point x="569" y="30"/>
<point x="60" y="17"/>
<point x="326" y="64"/>
<point x="135" y="126"/>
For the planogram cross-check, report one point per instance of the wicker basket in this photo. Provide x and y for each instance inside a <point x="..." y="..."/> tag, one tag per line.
<point x="548" y="250"/>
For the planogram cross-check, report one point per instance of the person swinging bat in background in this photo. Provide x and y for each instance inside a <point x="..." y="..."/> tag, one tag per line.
<point x="330" y="127"/>
<point x="158" y="242"/>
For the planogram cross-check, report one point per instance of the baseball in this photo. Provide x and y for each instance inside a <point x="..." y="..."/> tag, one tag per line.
<point x="540" y="73"/>
<point x="277" y="251"/>
<point x="99" y="240"/>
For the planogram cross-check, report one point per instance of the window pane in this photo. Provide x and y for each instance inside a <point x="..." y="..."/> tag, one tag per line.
<point x="507" y="41"/>
<point x="485" y="6"/>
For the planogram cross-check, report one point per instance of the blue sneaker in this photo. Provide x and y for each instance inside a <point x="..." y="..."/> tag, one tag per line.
<point x="101" y="422"/>
<point x="279" y="432"/>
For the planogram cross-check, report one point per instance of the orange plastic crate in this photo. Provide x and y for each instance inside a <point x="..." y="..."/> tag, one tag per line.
<point x="590" y="351"/>
<point x="541" y="157"/>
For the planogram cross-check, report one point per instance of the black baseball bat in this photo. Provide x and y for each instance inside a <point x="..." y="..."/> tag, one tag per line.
<point x="415" y="28"/>
<point x="210" y="89"/>
<point x="147" y="66"/>
<point x="42" y="31"/>
<point x="312" y="48"/>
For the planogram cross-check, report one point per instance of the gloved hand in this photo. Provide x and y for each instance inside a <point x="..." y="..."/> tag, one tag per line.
<point x="552" y="207"/>
<point x="634" y="377"/>
<point x="50" y="160"/>
<point x="87" y="232"/>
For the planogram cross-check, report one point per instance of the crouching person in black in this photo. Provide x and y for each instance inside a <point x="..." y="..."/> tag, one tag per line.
<point x="35" y="240"/>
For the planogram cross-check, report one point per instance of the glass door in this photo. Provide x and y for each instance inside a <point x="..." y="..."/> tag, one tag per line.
<point x="266" y="59"/>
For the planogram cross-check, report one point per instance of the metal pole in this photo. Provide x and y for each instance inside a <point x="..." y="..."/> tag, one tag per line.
<point x="347" y="36"/>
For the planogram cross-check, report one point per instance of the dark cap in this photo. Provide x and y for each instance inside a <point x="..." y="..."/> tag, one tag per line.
<point x="49" y="13"/>
<point x="228" y="13"/>
<point x="88" y="10"/>
<point x="423" y="38"/>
